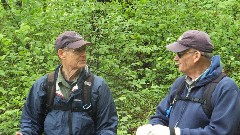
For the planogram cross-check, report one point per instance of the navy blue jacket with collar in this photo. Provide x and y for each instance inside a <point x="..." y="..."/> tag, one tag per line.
<point x="190" y="117"/>
<point x="56" y="122"/>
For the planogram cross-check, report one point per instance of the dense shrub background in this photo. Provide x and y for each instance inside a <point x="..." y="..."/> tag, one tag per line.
<point x="129" y="47"/>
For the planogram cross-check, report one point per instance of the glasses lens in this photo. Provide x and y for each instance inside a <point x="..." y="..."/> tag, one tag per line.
<point x="180" y="54"/>
<point x="81" y="49"/>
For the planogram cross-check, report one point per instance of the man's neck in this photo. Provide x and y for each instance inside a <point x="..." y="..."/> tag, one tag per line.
<point x="70" y="74"/>
<point x="198" y="70"/>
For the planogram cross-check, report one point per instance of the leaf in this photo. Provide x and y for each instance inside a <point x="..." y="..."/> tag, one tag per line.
<point x="2" y="73"/>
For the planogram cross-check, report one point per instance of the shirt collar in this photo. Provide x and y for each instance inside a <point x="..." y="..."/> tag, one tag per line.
<point x="191" y="82"/>
<point x="62" y="80"/>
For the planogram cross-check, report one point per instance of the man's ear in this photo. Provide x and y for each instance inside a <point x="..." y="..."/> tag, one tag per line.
<point x="61" y="53"/>
<point x="197" y="56"/>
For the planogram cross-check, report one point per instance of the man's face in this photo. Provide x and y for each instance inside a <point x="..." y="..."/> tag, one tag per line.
<point x="74" y="58"/>
<point x="185" y="61"/>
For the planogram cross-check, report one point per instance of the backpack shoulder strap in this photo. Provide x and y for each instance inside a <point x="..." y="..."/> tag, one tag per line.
<point x="87" y="92"/>
<point x="175" y="97"/>
<point x="207" y="95"/>
<point x="178" y="92"/>
<point x="50" y="91"/>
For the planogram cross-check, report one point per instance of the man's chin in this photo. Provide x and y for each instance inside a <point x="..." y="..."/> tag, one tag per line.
<point x="82" y="66"/>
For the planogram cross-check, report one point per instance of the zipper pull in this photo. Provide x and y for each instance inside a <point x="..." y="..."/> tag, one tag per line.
<point x="168" y="111"/>
<point x="176" y="124"/>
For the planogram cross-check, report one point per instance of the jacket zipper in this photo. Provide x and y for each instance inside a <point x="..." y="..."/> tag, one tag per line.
<point x="185" y="105"/>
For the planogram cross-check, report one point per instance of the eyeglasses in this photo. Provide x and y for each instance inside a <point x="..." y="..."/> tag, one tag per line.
<point x="81" y="49"/>
<point x="180" y="54"/>
<point x="77" y="50"/>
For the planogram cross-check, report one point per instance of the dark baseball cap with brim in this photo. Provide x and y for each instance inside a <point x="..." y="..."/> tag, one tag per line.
<point x="196" y="39"/>
<point x="70" y="39"/>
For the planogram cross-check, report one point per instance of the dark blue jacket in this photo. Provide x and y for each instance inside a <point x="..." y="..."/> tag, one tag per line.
<point x="56" y="122"/>
<point x="190" y="117"/>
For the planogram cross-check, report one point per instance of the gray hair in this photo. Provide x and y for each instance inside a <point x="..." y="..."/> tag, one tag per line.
<point x="207" y="55"/>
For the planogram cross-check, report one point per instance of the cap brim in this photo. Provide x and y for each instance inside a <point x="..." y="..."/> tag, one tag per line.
<point x="78" y="44"/>
<point x="176" y="47"/>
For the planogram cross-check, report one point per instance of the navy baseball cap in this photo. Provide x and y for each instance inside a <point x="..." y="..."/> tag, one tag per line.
<point x="196" y="39"/>
<point x="70" y="39"/>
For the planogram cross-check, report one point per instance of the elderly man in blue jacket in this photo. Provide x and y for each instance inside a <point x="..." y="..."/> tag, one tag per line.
<point x="68" y="115"/>
<point x="184" y="113"/>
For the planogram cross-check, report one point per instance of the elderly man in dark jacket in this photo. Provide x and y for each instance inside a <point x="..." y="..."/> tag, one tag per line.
<point x="68" y="114"/>
<point x="184" y="113"/>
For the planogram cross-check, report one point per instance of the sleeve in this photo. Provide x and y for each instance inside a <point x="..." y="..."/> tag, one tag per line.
<point x="160" y="115"/>
<point x="107" y="118"/>
<point x="32" y="118"/>
<point x="226" y="113"/>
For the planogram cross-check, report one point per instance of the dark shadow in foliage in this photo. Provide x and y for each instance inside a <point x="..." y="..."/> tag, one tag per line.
<point x="97" y="31"/>
<point x="103" y="0"/>
<point x="44" y="6"/>
<point x="5" y="5"/>
<point x="19" y="3"/>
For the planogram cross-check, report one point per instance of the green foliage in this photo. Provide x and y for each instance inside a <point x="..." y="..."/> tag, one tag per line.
<point x="129" y="48"/>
